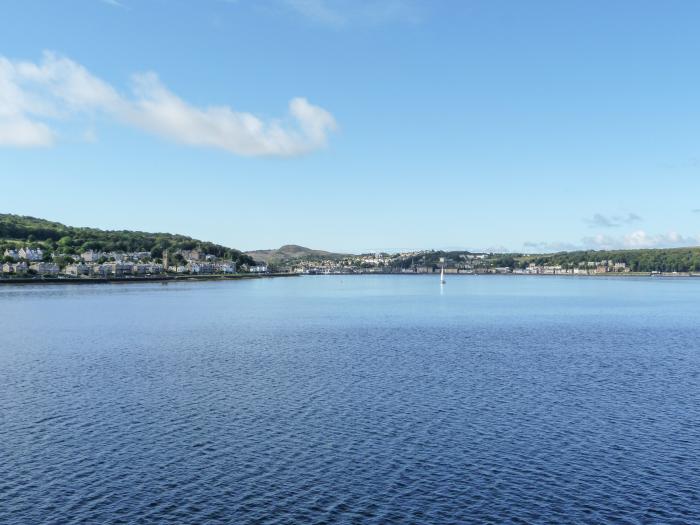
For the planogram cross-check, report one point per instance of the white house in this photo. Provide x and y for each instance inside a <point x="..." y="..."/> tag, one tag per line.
<point x="200" y="267"/>
<point x="30" y="254"/>
<point x="13" y="254"/>
<point x="8" y="268"/>
<point x="229" y="267"/>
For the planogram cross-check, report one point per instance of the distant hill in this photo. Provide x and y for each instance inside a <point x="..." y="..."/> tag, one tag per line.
<point x="289" y="252"/>
<point x="19" y="230"/>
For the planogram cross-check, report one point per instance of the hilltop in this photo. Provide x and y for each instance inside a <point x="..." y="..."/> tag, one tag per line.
<point x="291" y="252"/>
<point x="19" y="230"/>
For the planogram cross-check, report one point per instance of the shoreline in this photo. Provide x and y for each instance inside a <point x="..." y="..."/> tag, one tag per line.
<point x="130" y="280"/>
<point x="238" y="277"/>
<point x="684" y="275"/>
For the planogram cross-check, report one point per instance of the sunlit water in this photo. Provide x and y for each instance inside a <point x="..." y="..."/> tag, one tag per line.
<point x="377" y="399"/>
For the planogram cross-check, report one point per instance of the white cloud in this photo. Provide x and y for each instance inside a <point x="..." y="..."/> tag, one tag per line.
<point x="612" y="221"/>
<point x="60" y="89"/>
<point x="546" y="247"/>
<point x="633" y="240"/>
<point x="642" y="239"/>
<point x="22" y="132"/>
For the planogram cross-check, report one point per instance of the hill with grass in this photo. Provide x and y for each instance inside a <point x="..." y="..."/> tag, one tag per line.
<point x="19" y="230"/>
<point x="291" y="252"/>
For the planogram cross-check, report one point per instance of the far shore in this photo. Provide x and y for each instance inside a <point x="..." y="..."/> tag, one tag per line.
<point x="219" y="277"/>
<point x="511" y="274"/>
<point x="149" y="279"/>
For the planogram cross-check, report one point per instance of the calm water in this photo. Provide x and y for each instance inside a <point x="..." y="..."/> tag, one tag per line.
<point x="352" y="400"/>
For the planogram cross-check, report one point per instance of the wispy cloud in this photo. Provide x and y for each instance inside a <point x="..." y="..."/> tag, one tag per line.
<point x="113" y="3"/>
<point x="536" y="246"/>
<point x="343" y="12"/>
<point x="695" y="210"/>
<point x="612" y="221"/>
<point x="318" y="11"/>
<point x="35" y="95"/>
<point x="633" y="240"/>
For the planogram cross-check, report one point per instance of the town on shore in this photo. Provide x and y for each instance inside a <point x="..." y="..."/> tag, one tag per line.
<point x="300" y="260"/>
<point x="430" y="261"/>
<point x="34" y="248"/>
<point x="29" y="262"/>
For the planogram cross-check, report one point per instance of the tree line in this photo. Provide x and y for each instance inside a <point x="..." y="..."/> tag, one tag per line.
<point x="17" y="231"/>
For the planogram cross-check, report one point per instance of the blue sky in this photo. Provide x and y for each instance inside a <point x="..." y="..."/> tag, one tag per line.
<point x="357" y="126"/>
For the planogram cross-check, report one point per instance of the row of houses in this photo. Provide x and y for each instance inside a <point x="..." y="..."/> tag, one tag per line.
<point x="581" y="269"/>
<point x="111" y="269"/>
<point x="25" y="254"/>
<point x="204" y="267"/>
<point x="41" y="268"/>
<point x="95" y="256"/>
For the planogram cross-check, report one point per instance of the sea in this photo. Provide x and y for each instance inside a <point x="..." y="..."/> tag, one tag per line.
<point x="373" y="399"/>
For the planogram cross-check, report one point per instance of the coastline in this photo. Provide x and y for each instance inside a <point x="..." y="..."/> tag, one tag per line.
<point x="130" y="280"/>
<point x="237" y="277"/>
<point x="684" y="275"/>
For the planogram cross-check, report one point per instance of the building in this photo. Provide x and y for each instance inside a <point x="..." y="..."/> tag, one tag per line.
<point x="14" y="268"/>
<point x="200" y="267"/>
<point x="261" y="268"/>
<point x="77" y="269"/>
<point x="12" y="254"/>
<point x="121" y="268"/>
<point x="191" y="255"/>
<point x="91" y="256"/>
<point x="226" y="267"/>
<point x="147" y="269"/>
<point x="99" y="270"/>
<point x="31" y="254"/>
<point x="45" y="268"/>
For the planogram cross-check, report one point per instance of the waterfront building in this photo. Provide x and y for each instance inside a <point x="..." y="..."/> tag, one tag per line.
<point x="226" y="267"/>
<point x="45" y="268"/>
<point x="200" y="267"/>
<point x="77" y="269"/>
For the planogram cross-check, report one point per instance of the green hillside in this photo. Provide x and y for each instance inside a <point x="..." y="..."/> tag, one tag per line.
<point x="641" y="260"/>
<point x="18" y="230"/>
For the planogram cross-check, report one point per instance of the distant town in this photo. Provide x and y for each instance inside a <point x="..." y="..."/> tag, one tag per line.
<point x="27" y="261"/>
<point x="34" y="248"/>
<point x="297" y="259"/>
<point x="421" y="262"/>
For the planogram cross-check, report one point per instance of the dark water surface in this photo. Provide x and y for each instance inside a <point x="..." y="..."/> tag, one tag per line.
<point x="352" y="400"/>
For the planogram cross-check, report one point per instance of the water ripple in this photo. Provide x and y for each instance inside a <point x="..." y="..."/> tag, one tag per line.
<point x="221" y="416"/>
